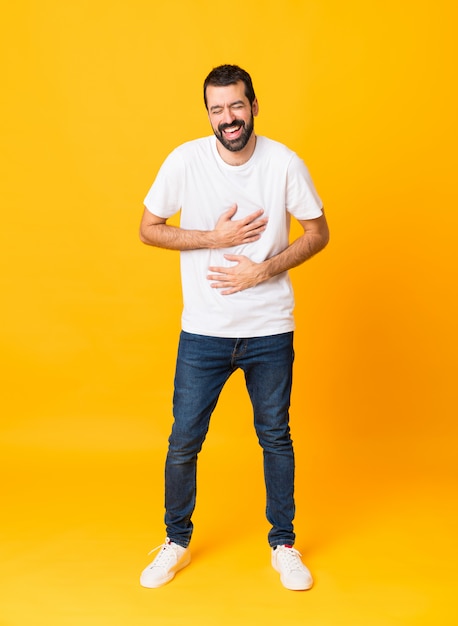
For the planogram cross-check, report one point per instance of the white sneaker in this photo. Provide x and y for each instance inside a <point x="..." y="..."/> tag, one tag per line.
<point x="293" y="573"/>
<point x="167" y="563"/>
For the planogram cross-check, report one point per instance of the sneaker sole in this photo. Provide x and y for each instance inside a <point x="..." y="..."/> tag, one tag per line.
<point x="171" y="576"/>
<point x="297" y="588"/>
<point x="293" y="587"/>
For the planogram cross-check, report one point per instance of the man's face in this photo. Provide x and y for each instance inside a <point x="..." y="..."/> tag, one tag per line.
<point x="231" y="115"/>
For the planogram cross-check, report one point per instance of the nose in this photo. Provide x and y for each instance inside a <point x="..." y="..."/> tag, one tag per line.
<point x="228" y="116"/>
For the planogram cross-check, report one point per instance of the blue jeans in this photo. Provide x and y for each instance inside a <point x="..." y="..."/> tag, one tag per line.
<point x="204" y="364"/>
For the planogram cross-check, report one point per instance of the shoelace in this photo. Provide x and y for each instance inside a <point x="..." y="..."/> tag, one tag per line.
<point x="291" y="557"/>
<point x="165" y="556"/>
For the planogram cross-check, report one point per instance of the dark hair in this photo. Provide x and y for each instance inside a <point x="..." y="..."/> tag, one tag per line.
<point x="224" y="75"/>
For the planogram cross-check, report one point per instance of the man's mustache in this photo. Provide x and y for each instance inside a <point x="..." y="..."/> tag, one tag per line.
<point x="222" y="127"/>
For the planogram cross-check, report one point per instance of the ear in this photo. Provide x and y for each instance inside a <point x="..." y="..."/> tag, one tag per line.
<point x="255" y="107"/>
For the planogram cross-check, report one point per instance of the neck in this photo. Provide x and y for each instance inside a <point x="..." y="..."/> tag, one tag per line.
<point x="240" y="157"/>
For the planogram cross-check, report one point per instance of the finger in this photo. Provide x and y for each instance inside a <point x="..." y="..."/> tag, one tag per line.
<point x="254" y="231"/>
<point x="250" y="238"/>
<point x="220" y="270"/>
<point x="255" y="228"/>
<point x="231" y="211"/>
<point x="224" y="274"/>
<point x="254" y="216"/>
<point x="224" y="286"/>
<point x="219" y="279"/>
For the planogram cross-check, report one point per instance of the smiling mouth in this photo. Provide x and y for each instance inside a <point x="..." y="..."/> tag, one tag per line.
<point x="230" y="129"/>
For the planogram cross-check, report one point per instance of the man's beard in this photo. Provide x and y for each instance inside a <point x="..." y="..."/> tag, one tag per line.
<point x="235" y="145"/>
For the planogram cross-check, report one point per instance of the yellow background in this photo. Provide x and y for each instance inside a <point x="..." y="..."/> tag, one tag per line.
<point x="94" y="95"/>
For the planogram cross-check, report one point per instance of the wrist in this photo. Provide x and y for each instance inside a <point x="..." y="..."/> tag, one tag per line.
<point x="211" y="240"/>
<point x="264" y="270"/>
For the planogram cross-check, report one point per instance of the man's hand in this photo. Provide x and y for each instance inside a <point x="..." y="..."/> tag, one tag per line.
<point x="247" y="273"/>
<point x="229" y="232"/>
<point x="236" y="278"/>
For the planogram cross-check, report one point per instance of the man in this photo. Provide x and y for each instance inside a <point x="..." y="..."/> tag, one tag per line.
<point x="236" y="192"/>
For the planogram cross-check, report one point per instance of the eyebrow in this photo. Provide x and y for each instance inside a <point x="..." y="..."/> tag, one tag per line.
<point x="220" y="106"/>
